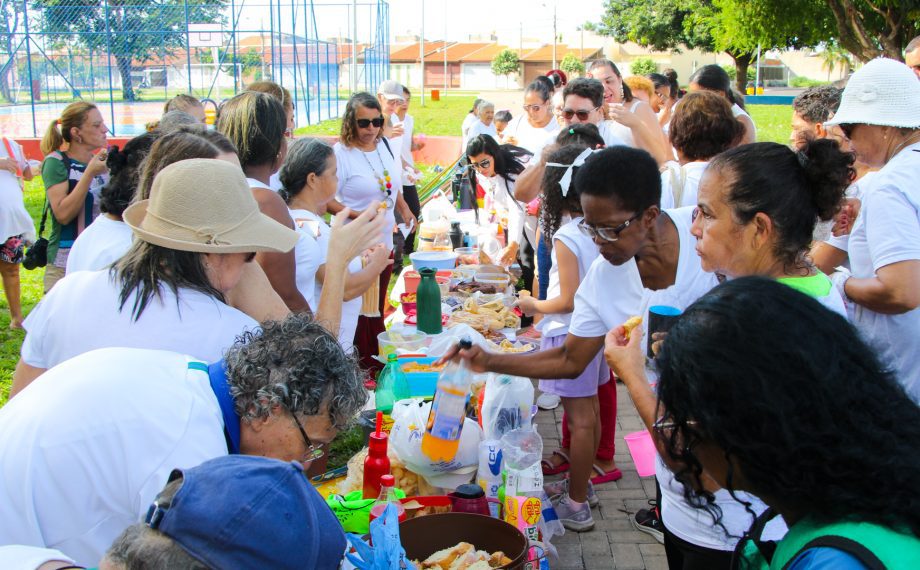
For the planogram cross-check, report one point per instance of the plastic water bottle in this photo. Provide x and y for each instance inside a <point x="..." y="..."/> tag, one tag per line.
<point x="448" y="411"/>
<point x="392" y="386"/>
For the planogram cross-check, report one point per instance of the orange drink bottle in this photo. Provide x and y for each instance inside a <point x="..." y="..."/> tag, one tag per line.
<point x="448" y="411"/>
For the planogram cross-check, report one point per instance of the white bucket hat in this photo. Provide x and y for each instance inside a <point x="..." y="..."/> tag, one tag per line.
<point x="206" y="206"/>
<point x="883" y="92"/>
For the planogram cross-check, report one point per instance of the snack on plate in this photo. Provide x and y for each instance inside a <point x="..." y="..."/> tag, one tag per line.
<point x="524" y="293"/>
<point x="512" y="347"/>
<point x="408" y="298"/>
<point x="632" y="323"/>
<point x="419" y="367"/>
<point x="464" y="556"/>
<point x="473" y="286"/>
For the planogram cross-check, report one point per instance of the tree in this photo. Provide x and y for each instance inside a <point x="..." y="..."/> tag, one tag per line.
<point x="129" y="30"/>
<point x="866" y="28"/>
<point x="643" y="66"/>
<point x="10" y="17"/>
<point x="505" y="63"/>
<point x="572" y="65"/>
<point x="833" y="56"/>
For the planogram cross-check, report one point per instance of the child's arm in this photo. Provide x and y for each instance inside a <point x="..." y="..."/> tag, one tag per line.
<point x="568" y="284"/>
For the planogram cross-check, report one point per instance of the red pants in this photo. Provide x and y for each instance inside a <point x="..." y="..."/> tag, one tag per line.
<point x="607" y="398"/>
<point x="370" y="327"/>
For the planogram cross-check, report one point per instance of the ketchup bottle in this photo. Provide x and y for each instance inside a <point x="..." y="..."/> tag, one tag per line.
<point x="376" y="464"/>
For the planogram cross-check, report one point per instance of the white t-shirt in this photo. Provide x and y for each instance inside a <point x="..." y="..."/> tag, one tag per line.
<point x="308" y="253"/>
<point x="14" y="219"/>
<point x="820" y="288"/>
<point x="19" y="557"/>
<point x="87" y="446"/>
<point x="687" y="177"/>
<point x="359" y="173"/>
<point x="479" y="128"/>
<point x="530" y="137"/>
<point x="823" y="229"/>
<point x="468" y="122"/>
<point x="887" y="231"/>
<point x="81" y="314"/>
<point x="621" y="131"/>
<point x="502" y="197"/>
<point x="608" y="295"/>
<point x="584" y="249"/>
<point x="610" y="134"/>
<point x="408" y="128"/>
<point x="274" y="183"/>
<point x="737" y="111"/>
<point x="396" y="143"/>
<point x="103" y="243"/>
<point x="351" y="309"/>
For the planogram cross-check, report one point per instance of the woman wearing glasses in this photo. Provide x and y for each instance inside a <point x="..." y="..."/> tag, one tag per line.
<point x="534" y="129"/>
<point x="369" y="172"/>
<point x="746" y="404"/>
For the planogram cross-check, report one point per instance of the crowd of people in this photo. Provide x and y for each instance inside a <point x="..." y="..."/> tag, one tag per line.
<point x="213" y="298"/>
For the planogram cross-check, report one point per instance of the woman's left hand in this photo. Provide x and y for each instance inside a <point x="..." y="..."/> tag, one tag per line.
<point x="619" y="113"/>
<point x="624" y="355"/>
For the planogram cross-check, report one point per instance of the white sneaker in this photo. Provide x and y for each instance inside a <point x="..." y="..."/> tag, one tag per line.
<point x="548" y="401"/>
<point x="573" y="516"/>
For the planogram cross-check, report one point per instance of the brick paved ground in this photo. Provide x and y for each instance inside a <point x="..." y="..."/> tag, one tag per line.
<point x="613" y="543"/>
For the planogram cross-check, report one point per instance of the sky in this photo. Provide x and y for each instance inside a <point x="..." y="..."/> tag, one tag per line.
<point x="505" y="17"/>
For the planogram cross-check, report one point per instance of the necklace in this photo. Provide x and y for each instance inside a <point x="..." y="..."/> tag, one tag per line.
<point x="911" y="139"/>
<point x="386" y="186"/>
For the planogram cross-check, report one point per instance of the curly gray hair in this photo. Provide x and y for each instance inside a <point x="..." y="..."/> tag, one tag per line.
<point x="294" y="363"/>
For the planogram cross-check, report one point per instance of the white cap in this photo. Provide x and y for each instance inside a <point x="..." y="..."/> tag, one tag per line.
<point x="883" y="92"/>
<point x="391" y="89"/>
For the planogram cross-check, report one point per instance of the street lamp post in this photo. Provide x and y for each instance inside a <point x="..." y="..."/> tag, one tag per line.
<point x="555" y="36"/>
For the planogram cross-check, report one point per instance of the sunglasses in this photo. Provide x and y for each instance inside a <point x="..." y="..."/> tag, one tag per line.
<point x="485" y="163"/>
<point x="582" y="114"/>
<point x="848" y="129"/>
<point x="365" y="123"/>
<point x="313" y="452"/>
<point x="606" y="234"/>
<point x="533" y="108"/>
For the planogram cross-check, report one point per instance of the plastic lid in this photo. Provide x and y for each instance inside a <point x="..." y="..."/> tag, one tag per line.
<point x="387" y="481"/>
<point x="391" y="357"/>
<point x="469" y="491"/>
<point x="466" y="344"/>
<point x="455" y="224"/>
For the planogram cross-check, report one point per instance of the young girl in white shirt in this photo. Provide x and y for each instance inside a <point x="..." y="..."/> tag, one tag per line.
<point x="15" y="223"/>
<point x="573" y="252"/>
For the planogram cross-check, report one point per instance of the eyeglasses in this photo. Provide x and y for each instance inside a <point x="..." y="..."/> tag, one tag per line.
<point x="534" y="108"/>
<point x="365" y="123"/>
<point x="313" y="452"/>
<point x="485" y="163"/>
<point x="606" y="234"/>
<point x="582" y="114"/>
<point x="848" y="129"/>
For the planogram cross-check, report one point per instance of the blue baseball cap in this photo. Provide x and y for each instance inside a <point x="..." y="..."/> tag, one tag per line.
<point x="240" y="511"/>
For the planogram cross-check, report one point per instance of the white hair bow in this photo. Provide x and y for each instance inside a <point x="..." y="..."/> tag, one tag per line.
<point x="566" y="181"/>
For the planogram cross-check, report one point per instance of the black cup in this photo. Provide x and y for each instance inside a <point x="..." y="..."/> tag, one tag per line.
<point x="660" y="319"/>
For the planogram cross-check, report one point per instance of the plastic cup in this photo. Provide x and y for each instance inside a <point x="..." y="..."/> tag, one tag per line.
<point x="660" y="320"/>
<point x="643" y="452"/>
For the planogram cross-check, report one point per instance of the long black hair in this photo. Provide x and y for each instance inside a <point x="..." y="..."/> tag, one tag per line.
<point x="125" y="167"/>
<point x="713" y="78"/>
<point x="508" y="159"/>
<point x="795" y="399"/>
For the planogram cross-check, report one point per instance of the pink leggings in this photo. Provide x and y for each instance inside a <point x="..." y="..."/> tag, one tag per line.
<point x="607" y="398"/>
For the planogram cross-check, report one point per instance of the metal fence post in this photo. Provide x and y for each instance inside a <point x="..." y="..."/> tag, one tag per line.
<point x="108" y="49"/>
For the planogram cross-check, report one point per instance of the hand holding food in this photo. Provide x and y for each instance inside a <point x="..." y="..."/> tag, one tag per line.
<point x="623" y="351"/>
<point x="527" y="304"/>
<point x="632" y="323"/>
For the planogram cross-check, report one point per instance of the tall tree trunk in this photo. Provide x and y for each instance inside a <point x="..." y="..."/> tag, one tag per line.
<point x="127" y="84"/>
<point x="742" y="62"/>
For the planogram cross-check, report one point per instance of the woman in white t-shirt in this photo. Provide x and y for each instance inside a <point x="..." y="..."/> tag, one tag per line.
<point x="485" y="124"/>
<point x="883" y="284"/>
<point x="713" y="78"/>
<point x="309" y="182"/>
<point x="168" y="291"/>
<point x="16" y="227"/>
<point x="536" y="128"/>
<point x="109" y="237"/>
<point x="704" y="126"/>
<point x="468" y="121"/>
<point x="369" y="173"/>
<point x="573" y="252"/>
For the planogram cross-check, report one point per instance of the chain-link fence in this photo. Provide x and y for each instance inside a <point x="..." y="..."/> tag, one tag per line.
<point x="129" y="56"/>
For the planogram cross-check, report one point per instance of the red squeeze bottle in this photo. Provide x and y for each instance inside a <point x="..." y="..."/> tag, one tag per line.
<point x="376" y="464"/>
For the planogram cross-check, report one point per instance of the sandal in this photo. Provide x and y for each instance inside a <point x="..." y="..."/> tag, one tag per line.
<point x="550" y="469"/>
<point x="606" y="476"/>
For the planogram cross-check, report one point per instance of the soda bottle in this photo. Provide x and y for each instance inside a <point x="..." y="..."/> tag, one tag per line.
<point x="386" y="497"/>
<point x="448" y="411"/>
<point x="392" y="386"/>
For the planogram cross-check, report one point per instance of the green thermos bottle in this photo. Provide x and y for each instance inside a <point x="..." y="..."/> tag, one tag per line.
<point x="428" y="302"/>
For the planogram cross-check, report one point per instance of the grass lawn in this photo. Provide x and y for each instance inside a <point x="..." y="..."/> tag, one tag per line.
<point x="436" y="118"/>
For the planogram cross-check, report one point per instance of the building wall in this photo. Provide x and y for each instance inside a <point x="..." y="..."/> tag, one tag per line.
<point x="479" y="76"/>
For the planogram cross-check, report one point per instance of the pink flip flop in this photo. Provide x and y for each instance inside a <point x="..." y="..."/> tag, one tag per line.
<point x="606" y="476"/>
<point x="550" y="469"/>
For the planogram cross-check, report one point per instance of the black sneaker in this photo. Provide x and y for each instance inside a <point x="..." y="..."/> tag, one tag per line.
<point x="649" y="521"/>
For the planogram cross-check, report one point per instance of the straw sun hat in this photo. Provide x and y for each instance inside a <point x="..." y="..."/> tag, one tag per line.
<point x="883" y="92"/>
<point x="206" y="206"/>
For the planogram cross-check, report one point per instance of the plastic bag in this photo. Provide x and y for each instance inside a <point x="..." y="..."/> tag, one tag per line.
<point x="387" y="552"/>
<point x="410" y="418"/>
<point x="443" y="342"/>
<point x="506" y="405"/>
<point x="438" y="207"/>
<point x="354" y="511"/>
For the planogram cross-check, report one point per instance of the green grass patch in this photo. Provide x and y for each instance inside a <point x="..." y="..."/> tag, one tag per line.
<point x="774" y="122"/>
<point x="436" y="118"/>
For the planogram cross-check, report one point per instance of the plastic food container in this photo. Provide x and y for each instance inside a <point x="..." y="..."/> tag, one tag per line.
<point x="421" y="384"/>
<point x="411" y="279"/>
<point x="433" y="259"/>
<point x="391" y="341"/>
<point x="500" y="281"/>
<point x="443" y="285"/>
<point x="405" y="305"/>
<point x="467" y="255"/>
